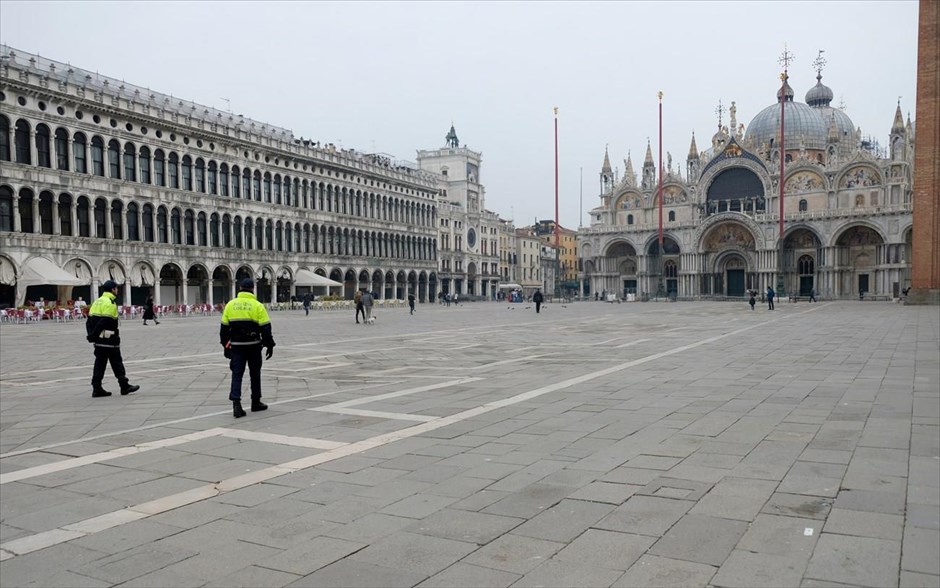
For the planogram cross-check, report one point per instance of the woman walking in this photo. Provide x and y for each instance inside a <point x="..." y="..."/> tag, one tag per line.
<point x="149" y="315"/>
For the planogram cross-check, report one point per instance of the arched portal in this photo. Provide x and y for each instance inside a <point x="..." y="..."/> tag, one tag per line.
<point x="859" y="259"/>
<point x="171" y="284"/>
<point x="729" y="248"/>
<point x="736" y="189"/>
<point x="197" y="282"/>
<point x="800" y="254"/>
<point x="221" y="284"/>
<point x="349" y="284"/>
<point x="621" y="261"/>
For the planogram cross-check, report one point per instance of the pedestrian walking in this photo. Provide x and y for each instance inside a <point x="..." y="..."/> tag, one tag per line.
<point x="367" y="300"/>
<point x="812" y="294"/>
<point x="307" y="304"/>
<point x="753" y="300"/>
<point x="456" y="299"/>
<point x="770" y="298"/>
<point x="357" y="298"/>
<point x="245" y="330"/>
<point x="102" y="330"/>
<point x="149" y="313"/>
<point x="537" y="298"/>
<point x="411" y="303"/>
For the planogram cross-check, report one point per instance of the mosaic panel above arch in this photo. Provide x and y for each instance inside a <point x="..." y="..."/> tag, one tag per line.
<point x="804" y="181"/>
<point x="802" y="239"/>
<point x="728" y="235"/>
<point x="860" y="176"/>
<point x="859" y="235"/>
<point x="629" y="200"/>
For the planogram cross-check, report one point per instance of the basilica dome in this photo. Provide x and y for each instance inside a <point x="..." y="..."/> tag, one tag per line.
<point x="804" y="125"/>
<point x="819" y="97"/>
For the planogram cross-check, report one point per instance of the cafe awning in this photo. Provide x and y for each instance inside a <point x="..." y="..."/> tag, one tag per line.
<point x="510" y="287"/>
<point x="40" y="271"/>
<point x="306" y="277"/>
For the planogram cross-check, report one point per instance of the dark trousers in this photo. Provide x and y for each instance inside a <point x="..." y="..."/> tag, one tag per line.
<point x="770" y="304"/>
<point x="411" y="305"/>
<point x="359" y="309"/>
<point x="538" y="307"/>
<point x="103" y="355"/>
<point x="242" y="355"/>
<point x="307" y="309"/>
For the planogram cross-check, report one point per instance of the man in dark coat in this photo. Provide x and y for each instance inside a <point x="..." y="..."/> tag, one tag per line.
<point x="102" y="330"/>
<point x="537" y="298"/>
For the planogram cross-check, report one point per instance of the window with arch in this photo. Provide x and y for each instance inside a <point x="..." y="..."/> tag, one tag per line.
<point x="259" y="235"/>
<point x="21" y="142"/>
<point x="65" y="215"/>
<point x="101" y="222"/>
<point x="143" y="164"/>
<point x="117" y="214"/>
<point x="670" y="269"/>
<point x="189" y="227"/>
<point x="176" y="226"/>
<point x="84" y="217"/>
<point x="246" y="184"/>
<point x="4" y="138"/>
<point x="214" y="230"/>
<point x="269" y="236"/>
<point x="267" y="187"/>
<point x="159" y="168"/>
<point x="114" y="159"/>
<point x="62" y="149"/>
<point x="25" y="205"/>
<point x="226" y="231"/>
<point x="173" y="171"/>
<point x="6" y="209"/>
<point x="806" y="265"/>
<point x="237" y="229"/>
<point x="133" y="226"/>
<point x="186" y="173"/>
<point x="211" y="176"/>
<point x="200" y="175"/>
<point x="43" y="148"/>
<point x="804" y="206"/>
<point x="672" y="216"/>
<point x="130" y="162"/>
<point x="201" y="229"/>
<point x="223" y="180"/>
<point x="279" y="237"/>
<point x="79" y="144"/>
<point x="147" y="222"/>
<point x="789" y="158"/>
<point x="97" y="156"/>
<point x="162" y="226"/>
<point x="256" y="186"/>
<point x="629" y="219"/>
<point x="249" y="233"/>
<point x="46" y="205"/>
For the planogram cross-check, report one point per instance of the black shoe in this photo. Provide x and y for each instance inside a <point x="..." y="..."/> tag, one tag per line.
<point x="99" y="393"/>
<point x="128" y="389"/>
<point x="156" y="322"/>
<point x="257" y="405"/>
<point x="238" y="410"/>
<point x="145" y="323"/>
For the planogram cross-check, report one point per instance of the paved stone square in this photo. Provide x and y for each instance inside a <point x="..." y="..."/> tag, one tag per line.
<point x="594" y="444"/>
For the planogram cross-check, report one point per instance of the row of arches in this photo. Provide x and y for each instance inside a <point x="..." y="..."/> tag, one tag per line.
<point x="727" y="261"/>
<point x="112" y="158"/>
<point x="174" y="282"/>
<point x="116" y="219"/>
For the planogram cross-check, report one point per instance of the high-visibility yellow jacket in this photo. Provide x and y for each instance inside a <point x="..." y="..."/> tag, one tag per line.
<point x="102" y="323"/>
<point x="245" y="321"/>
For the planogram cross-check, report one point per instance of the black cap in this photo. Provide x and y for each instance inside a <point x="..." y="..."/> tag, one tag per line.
<point x="246" y="284"/>
<point x="109" y="285"/>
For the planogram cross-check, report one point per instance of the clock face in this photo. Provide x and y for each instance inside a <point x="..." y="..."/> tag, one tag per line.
<point x="471" y="238"/>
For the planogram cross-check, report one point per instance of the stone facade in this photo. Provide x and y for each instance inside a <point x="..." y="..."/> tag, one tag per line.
<point x="468" y="233"/>
<point x="847" y="211"/>
<point x="180" y="201"/>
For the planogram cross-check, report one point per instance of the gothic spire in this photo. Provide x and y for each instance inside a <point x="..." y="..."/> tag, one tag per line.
<point x="606" y="167"/>
<point x="693" y="149"/>
<point x="898" y="126"/>
<point x="629" y="175"/>
<point x="649" y="155"/>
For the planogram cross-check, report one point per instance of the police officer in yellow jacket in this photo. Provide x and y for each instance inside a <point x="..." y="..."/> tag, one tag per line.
<point x="246" y="328"/>
<point x="102" y="330"/>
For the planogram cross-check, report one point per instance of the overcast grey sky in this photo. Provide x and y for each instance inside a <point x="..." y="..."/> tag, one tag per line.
<point x="391" y="76"/>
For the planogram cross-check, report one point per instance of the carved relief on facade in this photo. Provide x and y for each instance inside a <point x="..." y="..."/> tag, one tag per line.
<point x="801" y="239"/>
<point x="804" y="182"/>
<point x="859" y="176"/>
<point x="860" y="236"/>
<point x="729" y="235"/>
<point x="629" y="201"/>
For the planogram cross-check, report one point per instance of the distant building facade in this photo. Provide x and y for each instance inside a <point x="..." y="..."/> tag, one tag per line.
<point x="106" y="180"/>
<point x="847" y="210"/>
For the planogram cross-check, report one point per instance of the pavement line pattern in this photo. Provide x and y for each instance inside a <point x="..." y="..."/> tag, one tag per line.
<point x="395" y="416"/>
<point x="631" y="343"/>
<point x="182" y="420"/>
<point x="67" y="464"/>
<point x="66" y="533"/>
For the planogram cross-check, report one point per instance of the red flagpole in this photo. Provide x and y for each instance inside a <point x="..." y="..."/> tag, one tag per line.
<point x="660" y="174"/>
<point x="556" y="181"/>
<point x="783" y="156"/>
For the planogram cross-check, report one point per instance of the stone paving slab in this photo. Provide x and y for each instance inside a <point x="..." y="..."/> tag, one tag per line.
<point x="643" y="445"/>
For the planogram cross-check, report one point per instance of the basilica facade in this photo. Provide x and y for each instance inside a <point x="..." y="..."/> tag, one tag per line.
<point x="847" y="211"/>
<point x="100" y="179"/>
